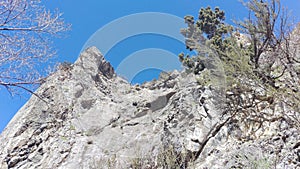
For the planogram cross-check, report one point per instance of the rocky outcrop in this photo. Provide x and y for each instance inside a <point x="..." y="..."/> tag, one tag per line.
<point x="90" y="118"/>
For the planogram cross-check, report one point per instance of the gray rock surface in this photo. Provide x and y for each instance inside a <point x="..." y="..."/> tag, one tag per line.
<point x="91" y="118"/>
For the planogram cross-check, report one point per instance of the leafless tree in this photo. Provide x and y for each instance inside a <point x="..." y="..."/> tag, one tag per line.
<point x="27" y="30"/>
<point x="269" y="26"/>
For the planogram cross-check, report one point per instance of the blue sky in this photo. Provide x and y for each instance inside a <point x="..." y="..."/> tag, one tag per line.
<point x="88" y="16"/>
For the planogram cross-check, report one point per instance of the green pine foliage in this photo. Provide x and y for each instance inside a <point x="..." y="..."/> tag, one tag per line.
<point x="253" y="58"/>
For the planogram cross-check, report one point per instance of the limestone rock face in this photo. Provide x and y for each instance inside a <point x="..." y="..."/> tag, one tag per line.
<point x="91" y="118"/>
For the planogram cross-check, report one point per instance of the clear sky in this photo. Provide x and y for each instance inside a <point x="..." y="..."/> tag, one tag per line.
<point x="89" y="16"/>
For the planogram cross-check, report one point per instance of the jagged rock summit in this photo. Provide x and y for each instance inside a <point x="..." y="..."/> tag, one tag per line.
<point x="90" y="118"/>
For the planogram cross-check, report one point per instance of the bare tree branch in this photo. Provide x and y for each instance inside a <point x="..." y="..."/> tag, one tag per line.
<point x="27" y="30"/>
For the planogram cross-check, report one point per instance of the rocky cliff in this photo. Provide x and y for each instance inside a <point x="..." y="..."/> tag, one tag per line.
<point x="87" y="117"/>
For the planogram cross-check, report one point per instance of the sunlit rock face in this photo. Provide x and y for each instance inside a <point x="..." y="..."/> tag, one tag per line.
<point x="89" y="117"/>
